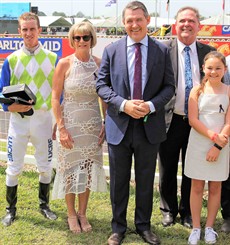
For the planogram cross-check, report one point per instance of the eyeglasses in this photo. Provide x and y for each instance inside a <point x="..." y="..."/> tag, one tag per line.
<point x="85" y="38"/>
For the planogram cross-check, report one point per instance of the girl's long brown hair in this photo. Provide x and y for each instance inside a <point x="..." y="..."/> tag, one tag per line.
<point x="212" y="54"/>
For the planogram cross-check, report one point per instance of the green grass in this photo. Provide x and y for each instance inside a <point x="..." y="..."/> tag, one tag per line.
<point x="30" y="227"/>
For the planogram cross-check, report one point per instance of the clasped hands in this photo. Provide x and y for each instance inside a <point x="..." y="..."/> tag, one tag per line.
<point x="213" y="153"/>
<point x="136" y="108"/>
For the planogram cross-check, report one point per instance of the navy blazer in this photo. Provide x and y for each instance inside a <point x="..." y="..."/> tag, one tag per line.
<point x="202" y="50"/>
<point x="113" y="87"/>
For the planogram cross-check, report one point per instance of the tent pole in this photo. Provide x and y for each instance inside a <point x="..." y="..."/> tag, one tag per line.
<point x="155" y="15"/>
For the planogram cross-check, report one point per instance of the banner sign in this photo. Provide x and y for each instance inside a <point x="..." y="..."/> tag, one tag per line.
<point x="60" y="46"/>
<point x="210" y="30"/>
<point x="226" y="30"/>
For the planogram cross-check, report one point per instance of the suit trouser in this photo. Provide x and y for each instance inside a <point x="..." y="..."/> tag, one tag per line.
<point x="134" y="144"/>
<point x="225" y="198"/>
<point x="169" y="154"/>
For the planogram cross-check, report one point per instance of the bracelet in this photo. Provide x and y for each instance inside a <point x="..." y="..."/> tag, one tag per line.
<point x="218" y="146"/>
<point x="214" y="137"/>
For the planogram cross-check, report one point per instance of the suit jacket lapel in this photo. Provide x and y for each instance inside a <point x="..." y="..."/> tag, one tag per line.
<point x="122" y="54"/>
<point x="150" y="57"/>
<point x="174" y="58"/>
<point x="201" y="53"/>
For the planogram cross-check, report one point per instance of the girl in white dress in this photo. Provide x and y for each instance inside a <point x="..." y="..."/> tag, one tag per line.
<point x="80" y="131"/>
<point x="207" y="156"/>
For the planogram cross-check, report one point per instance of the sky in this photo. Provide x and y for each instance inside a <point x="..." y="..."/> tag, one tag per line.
<point x="95" y="8"/>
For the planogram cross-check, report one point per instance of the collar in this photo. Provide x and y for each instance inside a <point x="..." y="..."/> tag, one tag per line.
<point x="181" y="47"/>
<point x="33" y="51"/>
<point x="144" y="41"/>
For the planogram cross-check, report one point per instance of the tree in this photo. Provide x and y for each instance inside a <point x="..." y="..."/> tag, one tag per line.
<point x="80" y="15"/>
<point x="154" y="14"/>
<point x="202" y="17"/>
<point x="40" y="13"/>
<point x="59" y="14"/>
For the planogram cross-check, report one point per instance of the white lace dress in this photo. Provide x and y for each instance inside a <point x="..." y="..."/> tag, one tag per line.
<point x="82" y="166"/>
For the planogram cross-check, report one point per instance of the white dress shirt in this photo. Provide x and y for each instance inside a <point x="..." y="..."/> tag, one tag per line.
<point x="131" y="65"/>
<point x="180" y="93"/>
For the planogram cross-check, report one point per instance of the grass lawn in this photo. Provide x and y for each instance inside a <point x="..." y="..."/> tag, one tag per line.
<point x="30" y="227"/>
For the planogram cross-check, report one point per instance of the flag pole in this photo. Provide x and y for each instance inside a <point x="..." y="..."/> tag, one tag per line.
<point x="93" y="9"/>
<point x="155" y="15"/>
<point x="160" y="8"/>
<point x="168" y="11"/>
<point x="223" y="6"/>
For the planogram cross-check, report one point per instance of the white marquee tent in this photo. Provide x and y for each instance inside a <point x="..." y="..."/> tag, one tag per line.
<point x="53" y="21"/>
<point x="217" y="20"/>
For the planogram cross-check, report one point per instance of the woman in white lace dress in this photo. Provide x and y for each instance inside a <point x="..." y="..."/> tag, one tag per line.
<point x="80" y="131"/>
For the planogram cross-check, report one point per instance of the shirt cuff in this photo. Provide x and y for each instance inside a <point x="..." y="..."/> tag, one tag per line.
<point x="151" y="106"/>
<point x="122" y="106"/>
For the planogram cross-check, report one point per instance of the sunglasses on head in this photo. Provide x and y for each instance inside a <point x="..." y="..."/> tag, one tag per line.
<point x="85" y="38"/>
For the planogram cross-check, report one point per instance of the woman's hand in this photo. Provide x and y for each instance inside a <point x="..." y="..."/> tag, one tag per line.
<point x="212" y="154"/>
<point x="66" y="139"/>
<point x="221" y="140"/>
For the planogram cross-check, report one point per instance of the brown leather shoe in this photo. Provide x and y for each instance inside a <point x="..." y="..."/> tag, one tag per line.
<point x="149" y="237"/>
<point x="116" y="239"/>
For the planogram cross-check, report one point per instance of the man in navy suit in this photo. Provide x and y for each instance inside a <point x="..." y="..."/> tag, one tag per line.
<point x="134" y="127"/>
<point x="178" y="128"/>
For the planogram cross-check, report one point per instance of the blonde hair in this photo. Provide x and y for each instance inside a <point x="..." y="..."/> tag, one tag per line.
<point x="28" y="16"/>
<point x="84" y="27"/>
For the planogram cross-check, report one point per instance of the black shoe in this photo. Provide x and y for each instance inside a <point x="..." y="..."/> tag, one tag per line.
<point x="8" y="219"/>
<point x="47" y="213"/>
<point x="116" y="239"/>
<point x="44" y="193"/>
<point x="226" y="226"/>
<point x="187" y="221"/>
<point x="149" y="237"/>
<point x="167" y="220"/>
<point x="11" y="198"/>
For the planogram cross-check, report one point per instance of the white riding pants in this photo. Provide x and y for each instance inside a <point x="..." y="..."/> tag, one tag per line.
<point x="38" y="130"/>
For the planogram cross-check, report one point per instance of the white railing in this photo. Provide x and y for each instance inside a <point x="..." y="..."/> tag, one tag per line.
<point x="29" y="157"/>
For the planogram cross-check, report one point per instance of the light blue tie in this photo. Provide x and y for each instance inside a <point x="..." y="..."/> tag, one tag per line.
<point x="188" y="78"/>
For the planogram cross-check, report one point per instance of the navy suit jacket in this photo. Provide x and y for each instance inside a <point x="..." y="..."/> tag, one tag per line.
<point x="113" y="87"/>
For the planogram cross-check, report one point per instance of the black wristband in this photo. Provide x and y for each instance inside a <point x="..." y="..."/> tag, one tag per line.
<point x="218" y="147"/>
